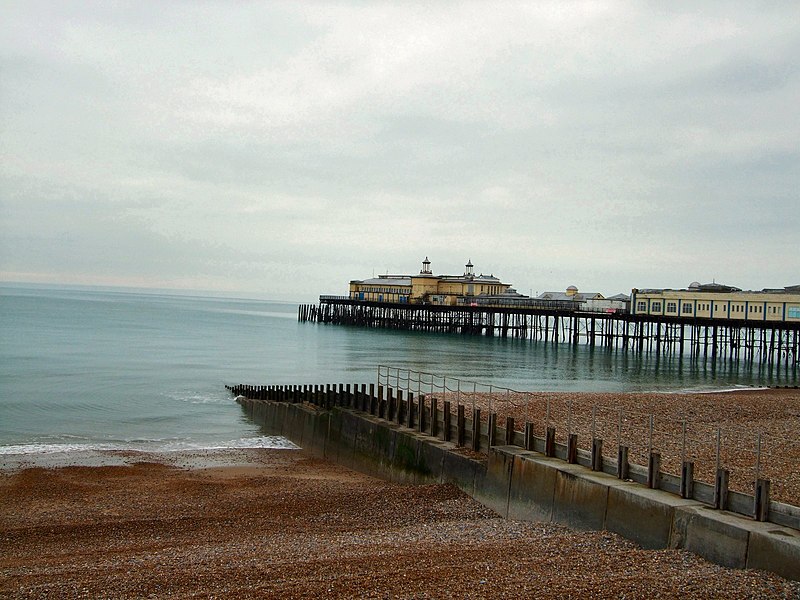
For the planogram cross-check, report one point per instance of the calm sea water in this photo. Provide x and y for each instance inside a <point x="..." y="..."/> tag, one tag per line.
<point x="124" y="370"/>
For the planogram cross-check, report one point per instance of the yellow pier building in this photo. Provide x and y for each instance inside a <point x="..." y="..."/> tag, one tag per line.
<point x="427" y="288"/>
<point x="717" y="301"/>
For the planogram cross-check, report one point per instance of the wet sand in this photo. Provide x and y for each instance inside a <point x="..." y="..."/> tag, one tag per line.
<point x="274" y="523"/>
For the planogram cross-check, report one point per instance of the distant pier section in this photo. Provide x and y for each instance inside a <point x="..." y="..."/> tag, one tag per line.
<point x="704" y="321"/>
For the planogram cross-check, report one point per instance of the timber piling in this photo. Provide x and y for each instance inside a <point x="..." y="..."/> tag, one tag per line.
<point x="765" y="344"/>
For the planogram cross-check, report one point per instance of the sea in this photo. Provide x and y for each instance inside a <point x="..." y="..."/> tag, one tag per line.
<point x="117" y="369"/>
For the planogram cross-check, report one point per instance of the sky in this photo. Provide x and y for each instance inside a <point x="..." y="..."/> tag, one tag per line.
<point x="283" y="149"/>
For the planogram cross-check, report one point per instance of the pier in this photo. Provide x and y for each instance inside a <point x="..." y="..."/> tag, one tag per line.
<point x="773" y="344"/>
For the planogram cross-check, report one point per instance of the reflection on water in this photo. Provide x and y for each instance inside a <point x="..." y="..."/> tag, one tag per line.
<point x="538" y="365"/>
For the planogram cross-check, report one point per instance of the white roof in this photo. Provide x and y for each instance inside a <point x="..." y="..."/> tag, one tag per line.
<point x="579" y="297"/>
<point x="395" y="281"/>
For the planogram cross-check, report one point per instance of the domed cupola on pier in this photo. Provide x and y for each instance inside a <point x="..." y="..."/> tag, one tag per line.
<point x="469" y="269"/>
<point x="426" y="267"/>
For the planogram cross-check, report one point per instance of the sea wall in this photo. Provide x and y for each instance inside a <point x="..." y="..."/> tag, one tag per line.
<point x="528" y="485"/>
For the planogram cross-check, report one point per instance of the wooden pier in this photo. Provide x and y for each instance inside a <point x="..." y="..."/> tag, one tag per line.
<point x="772" y="343"/>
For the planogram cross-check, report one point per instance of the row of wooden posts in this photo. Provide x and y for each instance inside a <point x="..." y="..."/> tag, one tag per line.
<point x="422" y="414"/>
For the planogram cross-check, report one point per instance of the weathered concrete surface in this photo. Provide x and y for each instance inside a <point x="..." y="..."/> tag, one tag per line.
<point x="462" y="472"/>
<point x="641" y="514"/>
<point x="492" y="489"/>
<point x="774" y="549"/>
<point x="715" y="535"/>
<point x="527" y="485"/>
<point x="579" y="500"/>
<point x="532" y="491"/>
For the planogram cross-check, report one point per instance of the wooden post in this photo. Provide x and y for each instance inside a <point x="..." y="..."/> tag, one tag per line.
<point x="446" y="418"/>
<point x="410" y="406"/>
<point x="721" y="489"/>
<point x="623" y="466"/>
<point x="421" y="413"/>
<point x="391" y="405"/>
<point x="460" y="426"/>
<point x="400" y="412"/>
<point x="491" y="430"/>
<point x="550" y="442"/>
<point x="529" y="435"/>
<point x="476" y="429"/>
<point x="509" y="431"/>
<point x="687" y="479"/>
<point x="761" y="500"/>
<point x="368" y="405"/>
<point x="597" y="454"/>
<point x="654" y="471"/>
<point x="434" y="417"/>
<point x="572" y="448"/>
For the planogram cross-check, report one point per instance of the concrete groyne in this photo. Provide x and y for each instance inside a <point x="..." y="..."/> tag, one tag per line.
<point x="413" y="440"/>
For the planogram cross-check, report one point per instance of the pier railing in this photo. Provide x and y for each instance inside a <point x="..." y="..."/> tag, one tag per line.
<point x="724" y="465"/>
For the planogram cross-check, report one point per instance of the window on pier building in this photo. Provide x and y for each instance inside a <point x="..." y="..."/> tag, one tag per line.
<point x="687" y="308"/>
<point x="641" y="306"/>
<point x="672" y="307"/>
<point x="655" y="307"/>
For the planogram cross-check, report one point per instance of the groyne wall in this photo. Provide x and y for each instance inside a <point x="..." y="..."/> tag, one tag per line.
<point x="396" y="442"/>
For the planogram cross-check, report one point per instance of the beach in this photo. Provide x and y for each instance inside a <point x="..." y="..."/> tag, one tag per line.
<point x="258" y="523"/>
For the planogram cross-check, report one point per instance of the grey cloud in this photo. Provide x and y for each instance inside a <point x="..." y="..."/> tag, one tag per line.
<point x="234" y="142"/>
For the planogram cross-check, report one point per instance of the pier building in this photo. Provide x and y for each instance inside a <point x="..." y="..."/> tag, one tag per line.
<point x="719" y="302"/>
<point x="587" y="301"/>
<point x="427" y="288"/>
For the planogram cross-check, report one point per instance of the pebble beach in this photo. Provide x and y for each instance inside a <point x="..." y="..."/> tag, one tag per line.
<point x="262" y="523"/>
<point x="745" y="429"/>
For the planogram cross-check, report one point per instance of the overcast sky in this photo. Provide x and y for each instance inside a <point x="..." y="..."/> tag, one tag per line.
<point x="282" y="149"/>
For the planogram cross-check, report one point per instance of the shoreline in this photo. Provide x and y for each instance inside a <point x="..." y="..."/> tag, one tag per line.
<point x="191" y="459"/>
<point x="282" y="524"/>
<point x="741" y="415"/>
